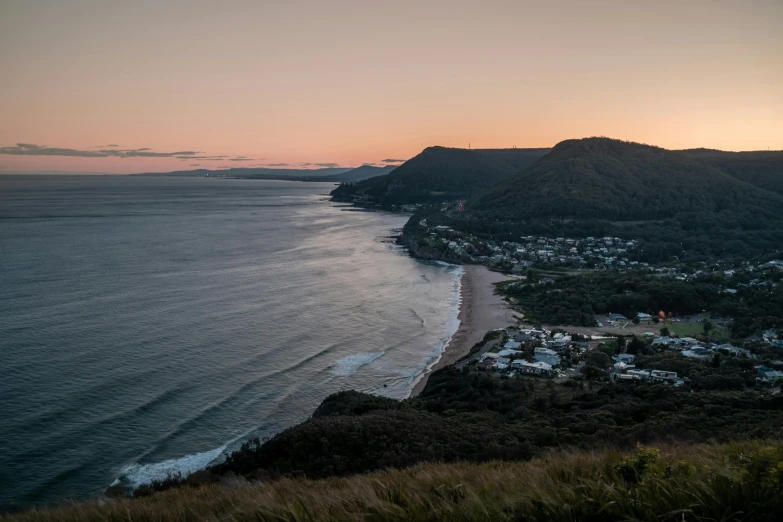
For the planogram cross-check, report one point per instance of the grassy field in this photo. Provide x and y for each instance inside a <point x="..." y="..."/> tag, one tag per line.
<point x="736" y="482"/>
<point x="718" y="333"/>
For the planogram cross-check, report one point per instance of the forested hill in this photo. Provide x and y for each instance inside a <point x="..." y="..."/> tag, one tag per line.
<point x="600" y="186"/>
<point x="362" y="173"/>
<point x="761" y="168"/>
<point x="440" y="174"/>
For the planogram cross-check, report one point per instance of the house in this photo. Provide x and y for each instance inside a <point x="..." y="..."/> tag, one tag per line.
<point x="732" y="349"/>
<point x="624" y="358"/>
<point x="501" y="363"/>
<point x="640" y="374"/>
<point x="512" y="345"/>
<point x="644" y="317"/>
<point x="508" y="353"/>
<point x="580" y="345"/>
<point x="689" y="341"/>
<point x="524" y="337"/>
<point x="551" y="360"/>
<point x="768" y="374"/>
<point x="664" y="339"/>
<point x="560" y="343"/>
<point x="697" y="352"/>
<point x="660" y="375"/>
<point x="486" y="365"/>
<point x="617" y="317"/>
<point x="532" y="368"/>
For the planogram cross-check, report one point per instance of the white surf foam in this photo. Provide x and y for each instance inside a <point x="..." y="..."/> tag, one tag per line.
<point x="138" y="474"/>
<point x="348" y="366"/>
<point x="452" y="323"/>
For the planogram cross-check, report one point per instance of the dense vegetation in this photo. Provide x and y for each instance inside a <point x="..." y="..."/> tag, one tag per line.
<point x="575" y="300"/>
<point x="734" y="482"/>
<point x="468" y="416"/>
<point x="440" y="174"/>
<point x="763" y="169"/>
<point x="675" y="201"/>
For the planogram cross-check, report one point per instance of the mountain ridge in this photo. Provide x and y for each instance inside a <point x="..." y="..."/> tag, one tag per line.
<point x="439" y="174"/>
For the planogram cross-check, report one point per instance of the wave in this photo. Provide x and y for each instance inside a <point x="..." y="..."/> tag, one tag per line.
<point x="452" y="324"/>
<point x="137" y="474"/>
<point x="348" y="366"/>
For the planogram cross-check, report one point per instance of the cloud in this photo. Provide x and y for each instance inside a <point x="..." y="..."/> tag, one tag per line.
<point x="393" y="161"/>
<point x="241" y="158"/>
<point x="327" y="165"/>
<point x="275" y="165"/>
<point x="208" y="158"/>
<point x="29" y="149"/>
<point x="194" y="165"/>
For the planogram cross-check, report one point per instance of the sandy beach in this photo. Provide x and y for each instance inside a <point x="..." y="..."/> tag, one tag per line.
<point x="480" y="310"/>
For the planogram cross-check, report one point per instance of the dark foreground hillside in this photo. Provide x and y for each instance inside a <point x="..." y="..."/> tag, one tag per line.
<point x="476" y="417"/>
<point x="735" y="482"/>
<point x="440" y="174"/>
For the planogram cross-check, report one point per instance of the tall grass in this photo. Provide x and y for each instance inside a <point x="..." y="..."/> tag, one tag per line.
<point x="742" y="481"/>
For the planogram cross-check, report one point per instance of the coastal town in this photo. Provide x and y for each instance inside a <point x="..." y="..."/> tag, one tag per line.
<point x="522" y="351"/>
<point x="585" y="253"/>
<point x="638" y="344"/>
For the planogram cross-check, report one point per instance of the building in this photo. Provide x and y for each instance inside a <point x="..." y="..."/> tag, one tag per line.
<point x="532" y="368"/>
<point x="660" y="375"/>
<point x="768" y="374"/>
<point x="486" y="365"/>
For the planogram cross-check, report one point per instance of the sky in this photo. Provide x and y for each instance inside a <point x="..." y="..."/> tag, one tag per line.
<point x="121" y="87"/>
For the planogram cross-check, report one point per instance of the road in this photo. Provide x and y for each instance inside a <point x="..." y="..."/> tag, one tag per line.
<point x="484" y="349"/>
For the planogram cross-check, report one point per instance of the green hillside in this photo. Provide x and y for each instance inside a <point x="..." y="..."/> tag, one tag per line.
<point x="440" y="174"/>
<point x="761" y="168"/>
<point x="674" y="199"/>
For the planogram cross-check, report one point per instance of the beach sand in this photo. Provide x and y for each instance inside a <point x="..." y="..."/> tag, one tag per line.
<point x="480" y="310"/>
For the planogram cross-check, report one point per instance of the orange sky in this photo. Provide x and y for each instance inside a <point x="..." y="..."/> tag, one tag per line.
<point x="348" y="82"/>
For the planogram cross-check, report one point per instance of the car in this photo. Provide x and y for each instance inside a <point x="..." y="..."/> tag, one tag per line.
<point x="600" y="324"/>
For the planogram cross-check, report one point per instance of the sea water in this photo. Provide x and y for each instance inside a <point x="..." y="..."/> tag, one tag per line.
<point x="149" y="325"/>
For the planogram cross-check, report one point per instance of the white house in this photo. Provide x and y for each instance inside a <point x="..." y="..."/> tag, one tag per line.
<point x="532" y="368"/>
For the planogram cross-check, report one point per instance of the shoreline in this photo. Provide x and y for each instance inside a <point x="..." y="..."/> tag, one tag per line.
<point x="480" y="310"/>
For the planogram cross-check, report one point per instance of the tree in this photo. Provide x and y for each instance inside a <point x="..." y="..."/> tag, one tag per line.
<point x="716" y="361"/>
<point x="636" y="346"/>
<point x="665" y="332"/>
<point x="636" y="320"/>
<point x="707" y="328"/>
<point x="599" y="359"/>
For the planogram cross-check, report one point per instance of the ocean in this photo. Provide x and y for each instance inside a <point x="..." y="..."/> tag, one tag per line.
<point x="148" y="325"/>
